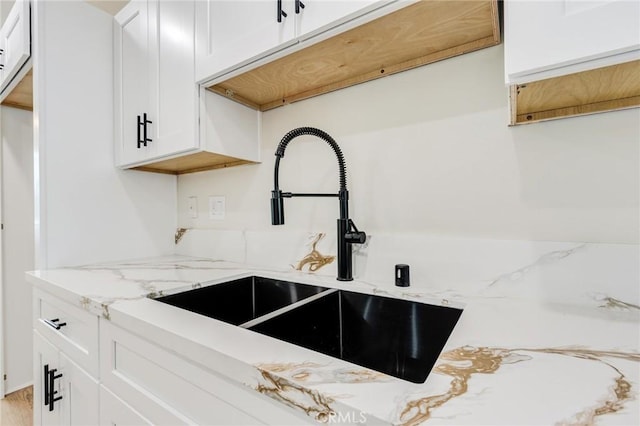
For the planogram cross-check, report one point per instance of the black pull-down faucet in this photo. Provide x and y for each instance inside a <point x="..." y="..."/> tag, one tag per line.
<point x="348" y="234"/>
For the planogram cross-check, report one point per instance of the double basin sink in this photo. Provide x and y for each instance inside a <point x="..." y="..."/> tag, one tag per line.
<point x="397" y="337"/>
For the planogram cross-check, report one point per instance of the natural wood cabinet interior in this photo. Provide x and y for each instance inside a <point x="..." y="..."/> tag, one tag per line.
<point x="419" y="34"/>
<point x="603" y="89"/>
<point x="22" y="95"/>
<point x="191" y="163"/>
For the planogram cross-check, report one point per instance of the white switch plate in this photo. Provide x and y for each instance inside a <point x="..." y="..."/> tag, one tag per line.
<point x="217" y="207"/>
<point x="192" y="206"/>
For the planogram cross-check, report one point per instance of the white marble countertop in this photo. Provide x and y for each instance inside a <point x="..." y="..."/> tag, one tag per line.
<point x="509" y="361"/>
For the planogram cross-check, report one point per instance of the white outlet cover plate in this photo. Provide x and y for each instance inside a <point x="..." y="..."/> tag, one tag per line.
<point x="192" y="203"/>
<point x="217" y="207"/>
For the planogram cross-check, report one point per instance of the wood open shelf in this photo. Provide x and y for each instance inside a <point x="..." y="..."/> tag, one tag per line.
<point x="604" y="89"/>
<point x="191" y="163"/>
<point x="22" y="95"/>
<point x="419" y="34"/>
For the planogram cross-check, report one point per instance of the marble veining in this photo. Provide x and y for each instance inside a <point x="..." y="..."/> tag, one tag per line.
<point x="561" y="326"/>
<point x="119" y="268"/>
<point x="463" y="362"/>
<point x="314" y="259"/>
<point x="545" y="259"/>
<point x="180" y="233"/>
<point x="145" y="287"/>
<point x="313" y="373"/>
<point x="312" y="402"/>
<point x="608" y="302"/>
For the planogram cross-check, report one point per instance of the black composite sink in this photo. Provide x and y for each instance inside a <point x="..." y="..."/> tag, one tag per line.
<point x="397" y="337"/>
<point x="239" y="301"/>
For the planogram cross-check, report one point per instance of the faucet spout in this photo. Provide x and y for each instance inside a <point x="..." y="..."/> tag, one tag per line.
<point x="348" y="234"/>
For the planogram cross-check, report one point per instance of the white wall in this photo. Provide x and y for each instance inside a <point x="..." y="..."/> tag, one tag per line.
<point x="87" y="210"/>
<point x="429" y="151"/>
<point x="17" y="240"/>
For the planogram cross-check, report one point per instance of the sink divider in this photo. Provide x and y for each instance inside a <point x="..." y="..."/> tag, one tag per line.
<point x="287" y="308"/>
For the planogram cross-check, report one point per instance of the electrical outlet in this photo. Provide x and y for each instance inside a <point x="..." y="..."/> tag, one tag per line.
<point x="217" y="207"/>
<point x="192" y="206"/>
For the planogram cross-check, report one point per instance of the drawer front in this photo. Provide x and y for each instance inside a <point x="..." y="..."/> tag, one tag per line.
<point x="73" y="330"/>
<point x="138" y="371"/>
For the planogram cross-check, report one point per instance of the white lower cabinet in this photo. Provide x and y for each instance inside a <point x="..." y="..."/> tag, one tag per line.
<point x="114" y="411"/>
<point x="64" y="394"/>
<point x="45" y="359"/>
<point x="165" y="388"/>
<point x="88" y="371"/>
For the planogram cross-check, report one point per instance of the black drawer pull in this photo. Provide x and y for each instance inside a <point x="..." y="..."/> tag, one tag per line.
<point x="145" y="139"/>
<point x="281" y="13"/>
<point x="55" y="324"/>
<point x="52" y="392"/>
<point x="46" y="384"/>
<point x="140" y="142"/>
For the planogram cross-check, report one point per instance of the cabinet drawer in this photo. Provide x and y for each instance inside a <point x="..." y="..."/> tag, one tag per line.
<point x="146" y="376"/>
<point x="68" y="327"/>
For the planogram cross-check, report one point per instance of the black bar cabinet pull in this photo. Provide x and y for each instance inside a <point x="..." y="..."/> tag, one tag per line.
<point x="55" y="324"/>
<point x="46" y="384"/>
<point x="281" y="13"/>
<point x="145" y="121"/>
<point x="52" y="392"/>
<point x="299" y="5"/>
<point x="139" y="124"/>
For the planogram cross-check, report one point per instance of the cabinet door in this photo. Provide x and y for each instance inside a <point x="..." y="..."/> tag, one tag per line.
<point x="546" y="39"/>
<point x="174" y="101"/>
<point x="231" y="33"/>
<point x="315" y="16"/>
<point x="16" y="40"/>
<point x="2" y="58"/>
<point x="132" y="83"/>
<point x="80" y="404"/>
<point x="114" y="411"/>
<point x="45" y="359"/>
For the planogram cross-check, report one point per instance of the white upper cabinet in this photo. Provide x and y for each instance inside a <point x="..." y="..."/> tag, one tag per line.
<point x="232" y="33"/>
<point x="315" y="16"/>
<point x="2" y="48"/>
<point x="546" y="39"/>
<point x="132" y="63"/>
<point x="15" y="41"/>
<point x="161" y="120"/>
<point x="156" y="98"/>
<point x="175" y="101"/>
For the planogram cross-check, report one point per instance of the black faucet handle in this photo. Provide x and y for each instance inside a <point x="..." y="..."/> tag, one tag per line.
<point x="353" y="235"/>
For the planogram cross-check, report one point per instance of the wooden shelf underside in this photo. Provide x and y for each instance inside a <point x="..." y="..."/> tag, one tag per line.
<point x="419" y="34"/>
<point x="22" y="95"/>
<point x="191" y="163"/>
<point x="604" y="89"/>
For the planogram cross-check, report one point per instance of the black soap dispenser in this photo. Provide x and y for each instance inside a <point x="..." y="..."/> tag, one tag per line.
<point x="402" y="275"/>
